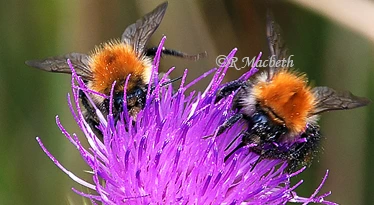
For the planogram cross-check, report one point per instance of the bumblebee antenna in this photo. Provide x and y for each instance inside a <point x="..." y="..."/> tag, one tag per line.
<point x="172" y="52"/>
<point x="171" y="81"/>
<point x="167" y="82"/>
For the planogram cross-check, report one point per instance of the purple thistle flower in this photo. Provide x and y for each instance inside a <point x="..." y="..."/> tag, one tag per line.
<point x="164" y="158"/>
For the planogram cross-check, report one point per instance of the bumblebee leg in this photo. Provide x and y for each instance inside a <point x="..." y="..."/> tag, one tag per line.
<point x="228" y="89"/>
<point x="240" y="145"/>
<point x="226" y="125"/>
<point x="90" y="114"/>
<point x="243" y="143"/>
<point x="171" y="52"/>
<point x="90" y="110"/>
<point x="232" y="142"/>
<point x="259" y="159"/>
<point x="274" y="153"/>
<point x="303" y="154"/>
<point x="229" y="123"/>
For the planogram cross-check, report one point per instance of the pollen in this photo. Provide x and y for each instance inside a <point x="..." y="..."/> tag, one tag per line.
<point x="114" y="61"/>
<point x="288" y="98"/>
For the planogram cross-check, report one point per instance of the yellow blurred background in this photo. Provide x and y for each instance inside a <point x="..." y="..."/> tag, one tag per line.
<point x="331" y="42"/>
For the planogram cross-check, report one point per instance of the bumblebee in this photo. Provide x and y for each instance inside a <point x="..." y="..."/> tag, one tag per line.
<point x="114" y="61"/>
<point x="281" y="110"/>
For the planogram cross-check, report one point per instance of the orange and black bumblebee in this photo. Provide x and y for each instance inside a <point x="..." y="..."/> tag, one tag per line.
<point x="114" y="61"/>
<point x="281" y="110"/>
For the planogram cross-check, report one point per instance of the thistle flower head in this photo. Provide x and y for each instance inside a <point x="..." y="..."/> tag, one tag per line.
<point x="165" y="157"/>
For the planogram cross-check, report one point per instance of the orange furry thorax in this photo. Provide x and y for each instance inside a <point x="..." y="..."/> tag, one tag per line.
<point x="287" y="97"/>
<point x="114" y="61"/>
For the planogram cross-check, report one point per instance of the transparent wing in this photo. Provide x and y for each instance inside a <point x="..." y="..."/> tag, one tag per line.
<point x="329" y="99"/>
<point x="138" y="34"/>
<point x="58" y="64"/>
<point x="277" y="45"/>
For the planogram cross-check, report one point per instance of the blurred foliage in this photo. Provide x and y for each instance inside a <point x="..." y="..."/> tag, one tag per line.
<point x="330" y="54"/>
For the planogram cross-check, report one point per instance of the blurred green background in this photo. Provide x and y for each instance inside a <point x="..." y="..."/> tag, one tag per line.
<point x="332" y="48"/>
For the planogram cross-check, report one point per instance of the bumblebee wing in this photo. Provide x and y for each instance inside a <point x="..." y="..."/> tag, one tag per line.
<point x="277" y="46"/>
<point x="330" y="99"/>
<point x="138" y="34"/>
<point x="58" y="64"/>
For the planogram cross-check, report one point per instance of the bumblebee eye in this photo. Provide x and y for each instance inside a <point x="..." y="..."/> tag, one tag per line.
<point x="118" y="100"/>
<point x="139" y="93"/>
<point x="259" y="118"/>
